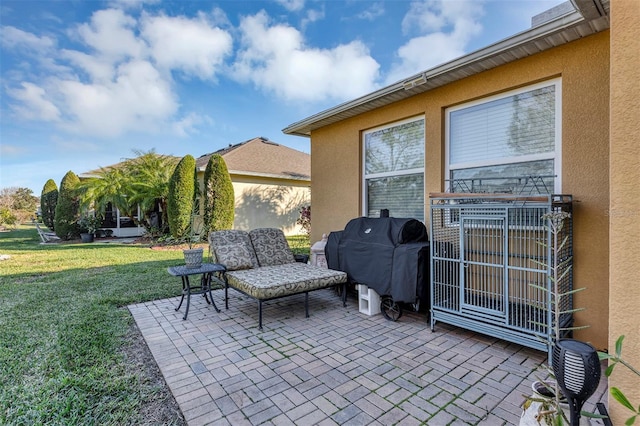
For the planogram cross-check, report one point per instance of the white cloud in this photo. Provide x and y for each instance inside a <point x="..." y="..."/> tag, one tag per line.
<point x="98" y="69"/>
<point x="275" y="59"/>
<point x="447" y="28"/>
<point x="111" y="34"/>
<point x="7" y="150"/>
<point x="188" y="124"/>
<point x="122" y="81"/>
<point x="190" y="45"/>
<point x="312" y="16"/>
<point x="15" y="38"/>
<point x="34" y="104"/>
<point x="374" y="11"/>
<point x="131" y="4"/>
<point x="139" y="99"/>
<point x="292" y="5"/>
<point x="119" y="76"/>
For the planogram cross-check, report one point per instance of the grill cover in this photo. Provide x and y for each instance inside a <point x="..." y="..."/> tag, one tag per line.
<point x="389" y="255"/>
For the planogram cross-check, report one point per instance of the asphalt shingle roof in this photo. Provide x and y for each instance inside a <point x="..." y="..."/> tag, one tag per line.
<point x="260" y="156"/>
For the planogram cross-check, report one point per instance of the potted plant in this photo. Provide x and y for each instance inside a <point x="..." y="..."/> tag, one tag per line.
<point x="88" y="226"/>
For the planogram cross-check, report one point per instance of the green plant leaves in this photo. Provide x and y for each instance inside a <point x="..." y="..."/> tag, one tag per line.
<point x="619" y="346"/>
<point x="619" y="396"/>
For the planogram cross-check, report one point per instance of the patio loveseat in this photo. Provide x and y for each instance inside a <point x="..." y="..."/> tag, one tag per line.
<point x="260" y="264"/>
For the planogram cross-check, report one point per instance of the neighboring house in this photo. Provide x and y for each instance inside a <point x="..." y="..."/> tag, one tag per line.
<point x="271" y="183"/>
<point x="568" y="89"/>
<point x="116" y="221"/>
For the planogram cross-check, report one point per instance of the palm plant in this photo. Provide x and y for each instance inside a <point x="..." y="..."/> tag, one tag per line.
<point x="149" y="176"/>
<point x="140" y="181"/>
<point x="111" y="185"/>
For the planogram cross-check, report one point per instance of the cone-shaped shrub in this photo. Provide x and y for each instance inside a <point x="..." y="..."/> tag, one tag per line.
<point x="67" y="208"/>
<point x="219" y="202"/>
<point x="48" y="201"/>
<point x="180" y="198"/>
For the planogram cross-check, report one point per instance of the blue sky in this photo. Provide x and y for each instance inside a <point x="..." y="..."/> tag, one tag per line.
<point x="84" y="83"/>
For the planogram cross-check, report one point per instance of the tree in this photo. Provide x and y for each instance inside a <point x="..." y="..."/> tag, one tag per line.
<point x="7" y="217"/>
<point x="23" y="199"/>
<point x="219" y="201"/>
<point x="48" y="201"/>
<point x="68" y="207"/>
<point x="180" y="200"/>
<point x="18" y="205"/>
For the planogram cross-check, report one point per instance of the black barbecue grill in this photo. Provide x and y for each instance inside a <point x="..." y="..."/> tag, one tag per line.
<point x="389" y="255"/>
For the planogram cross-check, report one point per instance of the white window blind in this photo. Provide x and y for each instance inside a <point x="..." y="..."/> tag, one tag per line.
<point x="394" y="170"/>
<point x="506" y="144"/>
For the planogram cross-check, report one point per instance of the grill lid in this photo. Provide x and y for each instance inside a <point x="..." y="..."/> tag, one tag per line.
<point x="386" y="230"/>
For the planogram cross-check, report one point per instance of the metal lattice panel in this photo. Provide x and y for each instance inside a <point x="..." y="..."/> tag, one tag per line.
<point x="490" y="263"/>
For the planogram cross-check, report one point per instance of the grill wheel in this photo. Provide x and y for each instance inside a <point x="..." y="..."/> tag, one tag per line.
<point x="390" y="309"/>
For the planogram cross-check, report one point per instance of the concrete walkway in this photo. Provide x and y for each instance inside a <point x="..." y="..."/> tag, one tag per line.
<point x="338" y="367"/>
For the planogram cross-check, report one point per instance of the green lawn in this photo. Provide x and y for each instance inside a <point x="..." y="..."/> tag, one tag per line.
<point x="64" y="329"/>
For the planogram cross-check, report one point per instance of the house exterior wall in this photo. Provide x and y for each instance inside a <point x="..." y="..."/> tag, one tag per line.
<point x="624" y="210"/>
<point x="336" y="163"/>
<point x="264" y="202"/>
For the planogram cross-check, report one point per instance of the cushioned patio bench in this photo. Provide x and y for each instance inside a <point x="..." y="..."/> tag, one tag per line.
<point x="260" y="264"/>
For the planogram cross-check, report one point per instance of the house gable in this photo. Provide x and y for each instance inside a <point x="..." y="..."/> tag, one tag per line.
<point x="260" y="157"/>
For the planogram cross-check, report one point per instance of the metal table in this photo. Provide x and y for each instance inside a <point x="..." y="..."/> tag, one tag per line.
<point x="208" y="271"/>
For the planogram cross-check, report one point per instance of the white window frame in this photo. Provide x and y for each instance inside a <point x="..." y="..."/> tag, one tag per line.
<point x="555" y="155"/>
<point x="414" y="171"/>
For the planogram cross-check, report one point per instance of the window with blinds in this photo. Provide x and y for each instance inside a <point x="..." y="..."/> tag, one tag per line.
<point x="394" y="170"/>
<point x="508" y="143"/>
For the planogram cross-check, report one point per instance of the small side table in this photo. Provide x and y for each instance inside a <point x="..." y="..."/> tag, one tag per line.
<point x="207" y="270"/>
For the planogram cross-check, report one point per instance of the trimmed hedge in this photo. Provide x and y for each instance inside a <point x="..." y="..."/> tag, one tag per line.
<point x="67" y="208"/>
<point x="182" y="189"/>
<point x="48" y="202"/>
<point x="219" y="200"/>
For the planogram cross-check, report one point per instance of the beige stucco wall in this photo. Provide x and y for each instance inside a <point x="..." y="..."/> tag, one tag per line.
<point x="266" y="202"/>
<point x="584" y="68"/>
<point x="624" y="211"/>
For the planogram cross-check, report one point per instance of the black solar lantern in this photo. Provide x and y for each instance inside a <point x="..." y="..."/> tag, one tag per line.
<point x="577" y="370"/>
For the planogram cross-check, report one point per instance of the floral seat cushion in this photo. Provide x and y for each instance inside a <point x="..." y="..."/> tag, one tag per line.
<point x="269" y="282"/>
<point x="271" y="246"/>
<point x="233" y="249"/>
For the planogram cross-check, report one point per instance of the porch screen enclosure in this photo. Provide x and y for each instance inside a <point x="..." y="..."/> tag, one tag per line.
<point x="490" y="256"/>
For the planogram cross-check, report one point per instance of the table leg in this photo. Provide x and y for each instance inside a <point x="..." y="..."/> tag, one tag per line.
<point x="208" y="289"/>
<point x="182" y="298"/>
<point x="185" y="287"/>
<point x="205" y="286"/>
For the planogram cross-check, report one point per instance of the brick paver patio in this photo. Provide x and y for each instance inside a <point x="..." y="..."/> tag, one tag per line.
<point x="338" y="367"/>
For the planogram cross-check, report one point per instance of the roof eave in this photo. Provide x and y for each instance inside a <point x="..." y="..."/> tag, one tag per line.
<point x="280" y="176"/>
